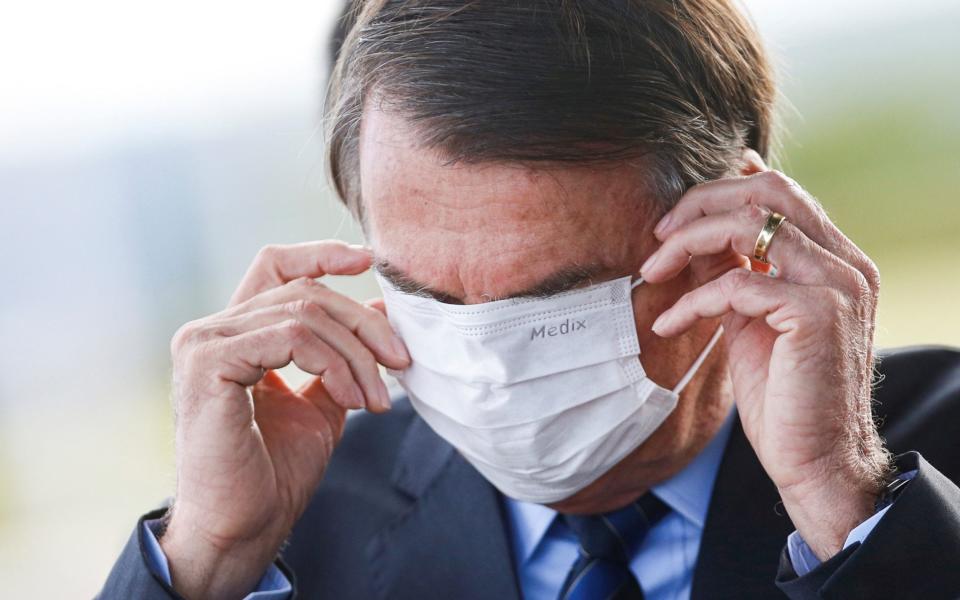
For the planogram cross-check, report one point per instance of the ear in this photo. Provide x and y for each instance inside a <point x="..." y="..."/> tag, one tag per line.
<point x="751" y="163"/>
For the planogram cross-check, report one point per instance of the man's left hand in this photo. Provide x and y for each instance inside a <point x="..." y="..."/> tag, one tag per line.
<point x="799" y="343"/>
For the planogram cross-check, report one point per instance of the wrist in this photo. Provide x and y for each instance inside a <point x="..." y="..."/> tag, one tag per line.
<point x="202" y="567"/>
<point x="826" y="509"/>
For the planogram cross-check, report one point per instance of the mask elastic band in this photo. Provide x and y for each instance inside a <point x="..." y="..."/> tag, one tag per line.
<point x="703" y="353"/>
<point x="696" y="364"/>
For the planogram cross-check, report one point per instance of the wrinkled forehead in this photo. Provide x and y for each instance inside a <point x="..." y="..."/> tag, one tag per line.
<point x="477" y="232"/>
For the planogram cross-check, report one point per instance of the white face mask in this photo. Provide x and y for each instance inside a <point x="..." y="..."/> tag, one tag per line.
<point x="542" y="396"/>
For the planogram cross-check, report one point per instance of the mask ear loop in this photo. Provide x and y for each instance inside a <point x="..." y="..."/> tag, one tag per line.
<point x="696" y="364"/>
<point x="703" y="353"/>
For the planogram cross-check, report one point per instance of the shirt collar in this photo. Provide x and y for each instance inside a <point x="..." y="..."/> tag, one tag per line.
<point x="688" y="493"/>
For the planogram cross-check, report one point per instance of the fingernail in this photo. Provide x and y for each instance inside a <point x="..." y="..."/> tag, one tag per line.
<point x="663" y="224"/>
<point x="358" y="397"/>
<point x="650" y="262"/>
<point x="400" y="349"/>
<point x="384" y="396"/>
<point x="360" y="253"/>
<point x="660" y="323"/>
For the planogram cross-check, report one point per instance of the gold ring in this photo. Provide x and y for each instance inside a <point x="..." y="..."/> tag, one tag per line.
<point x="774" y="221"/>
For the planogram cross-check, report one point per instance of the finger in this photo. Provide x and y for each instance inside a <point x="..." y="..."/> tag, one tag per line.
<point x="276" y="265"/>
<point x="314" y="391"/>
<point x="366" y="323"/>
<point x="781" y="303"/>
<point x="706" y="268"/>
<point x="767" y="188"/>
<point x="362" y="364"/>
<point x="377" y="304"/>
<point x="276" y="346"/>
<point x="361" y="361"/>
<point x="777" y="192"/>
<point x="796" y="256"/>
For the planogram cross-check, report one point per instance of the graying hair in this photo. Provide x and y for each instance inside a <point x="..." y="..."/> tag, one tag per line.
<point x="681" y="86"/>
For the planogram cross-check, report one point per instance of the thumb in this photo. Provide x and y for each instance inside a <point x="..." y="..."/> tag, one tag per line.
<point x="271" y="383"/>
<point x="317" y="395"/>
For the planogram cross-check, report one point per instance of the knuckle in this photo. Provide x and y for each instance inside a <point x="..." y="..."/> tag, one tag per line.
<point x="732" y="280"/>
<point x="304" y="283"/>
<point x="303" y="308"/>
<point x="862" y="303"/>
<point x="184" y="336"/>
<point x="268" y="253"/>
<point x="295" y="331"/>
<point x="862" y="284"/>
<point x="776" y="180"/>
<point x="308" y="286"/>
<point x="751" y="214"/>
<point x="872" y="275"/>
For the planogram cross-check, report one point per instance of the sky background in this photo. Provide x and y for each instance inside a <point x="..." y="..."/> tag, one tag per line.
<point x="81" y="76"/>
<point x="148" y="150"/>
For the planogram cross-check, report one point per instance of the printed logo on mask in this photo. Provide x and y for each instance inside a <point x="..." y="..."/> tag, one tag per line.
<point x="568" y="326"/>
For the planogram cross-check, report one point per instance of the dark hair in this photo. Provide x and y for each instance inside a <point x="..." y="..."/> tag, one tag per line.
<point x="684" y="84"/>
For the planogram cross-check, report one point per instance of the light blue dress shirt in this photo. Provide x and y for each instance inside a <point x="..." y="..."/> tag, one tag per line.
<point x="545" y="548"/>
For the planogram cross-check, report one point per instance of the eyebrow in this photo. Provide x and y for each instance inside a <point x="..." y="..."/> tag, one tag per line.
<point x="562" y="280"/>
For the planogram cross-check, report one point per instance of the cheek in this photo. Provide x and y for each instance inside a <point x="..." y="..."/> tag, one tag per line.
<point x="663" y="359"/>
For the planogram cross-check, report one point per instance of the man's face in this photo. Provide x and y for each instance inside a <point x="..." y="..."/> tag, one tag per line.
<point x="480" y="232"/>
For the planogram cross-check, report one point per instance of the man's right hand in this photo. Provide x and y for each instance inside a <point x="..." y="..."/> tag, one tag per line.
<point x="251" y="450"/>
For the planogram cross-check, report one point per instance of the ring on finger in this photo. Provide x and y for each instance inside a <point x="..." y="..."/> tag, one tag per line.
<point x="760" y="248"/>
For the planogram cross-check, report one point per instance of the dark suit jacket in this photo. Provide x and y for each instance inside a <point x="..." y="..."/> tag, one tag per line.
<point x="401" y="515"/>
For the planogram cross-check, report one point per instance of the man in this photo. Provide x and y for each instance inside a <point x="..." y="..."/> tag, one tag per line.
<point x="520" y="169"/>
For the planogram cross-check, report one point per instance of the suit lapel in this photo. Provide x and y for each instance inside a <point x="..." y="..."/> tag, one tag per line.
<point x="745" y="529"/>
<point x="452" y="543"/>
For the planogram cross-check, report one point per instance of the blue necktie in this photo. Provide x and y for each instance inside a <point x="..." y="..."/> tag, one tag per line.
<point x="607" y="542"/>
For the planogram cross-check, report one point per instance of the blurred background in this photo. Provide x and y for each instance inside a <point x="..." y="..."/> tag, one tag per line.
<point x="148" y="150"/>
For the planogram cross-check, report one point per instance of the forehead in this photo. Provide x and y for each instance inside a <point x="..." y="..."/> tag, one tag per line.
<point x="481" y="231"/>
